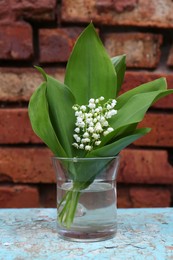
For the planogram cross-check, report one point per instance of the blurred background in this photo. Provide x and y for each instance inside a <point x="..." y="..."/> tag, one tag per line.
<point x="43" y="33"/>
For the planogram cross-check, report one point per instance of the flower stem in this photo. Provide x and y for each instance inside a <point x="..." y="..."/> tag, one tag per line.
<point x="69" y="203"/>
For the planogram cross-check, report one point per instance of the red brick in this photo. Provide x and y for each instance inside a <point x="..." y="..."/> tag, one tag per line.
<point x="142" y="49"/>
<point x="33" y="165"/>
<point x="147" y="197"/>
<point x="16" y="42"/>
<point x="171" y="189"/>
<point x="145" y="166"/>
<point x="162" y="130"/>
<point x="134" y="79"/>
<point x="18" y="85"/>
<point x="26" y="165"/>
<point x="18" y="196"/>
<point x="123" y="197"/>
<point x="48" y="196"/>
<point x="170" y="58"/>
<point x="117" y="5"/>
<point x="56" y="44"/>
<point x="6" y="15"/>
<point x="143" y="196"/>
<point x="15" y="127"/>
<point x="131" y="13"/>
<point x="44" y="10"/>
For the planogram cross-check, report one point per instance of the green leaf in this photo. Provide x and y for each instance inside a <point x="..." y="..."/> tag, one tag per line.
<point x="42" y="72"/>
<point x="115" y="147"/>
<point x="60" y="101"/>
<point x="121" y="131"/>
<point x="135" y="108"/>
<point x="155" y="85"/>
<point x="40" y="121"/>
<point x="119" y="63"/>
<point x="163" y="94"/>
<point x="90" y="72"/>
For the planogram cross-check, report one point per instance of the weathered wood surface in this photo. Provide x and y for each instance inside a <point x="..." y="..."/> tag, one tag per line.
<point x="31" y="234"/>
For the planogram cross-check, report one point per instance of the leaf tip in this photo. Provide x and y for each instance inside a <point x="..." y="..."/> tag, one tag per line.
<point x="148" y="129"/>
<point x="165" y="80"/>
<point x="41" y="71"/>
<point x="90" y="27"/>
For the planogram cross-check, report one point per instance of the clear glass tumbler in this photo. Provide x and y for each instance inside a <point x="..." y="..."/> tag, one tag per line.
<point x="86" y="198"/>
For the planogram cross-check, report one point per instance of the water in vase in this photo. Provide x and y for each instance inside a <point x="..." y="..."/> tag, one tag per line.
<point x="96" y="212"/>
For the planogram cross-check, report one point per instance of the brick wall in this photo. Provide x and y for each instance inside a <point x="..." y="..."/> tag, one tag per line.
<point x="43" y="33"/>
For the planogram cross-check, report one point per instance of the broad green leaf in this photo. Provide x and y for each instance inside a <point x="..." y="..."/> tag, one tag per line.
<point x="90" y="72"/>
<point x="60" y="101"/>
<point x="115" y="147"/>
<point x="89" y="169"/>
<point x="133" y="111"/>
<point x="155" y="85"/>
<point x="40" y="121"/>
<point x="119" y="63"/>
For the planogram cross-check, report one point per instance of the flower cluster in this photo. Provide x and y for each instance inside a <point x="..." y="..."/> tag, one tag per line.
<point x="92" y="122"/>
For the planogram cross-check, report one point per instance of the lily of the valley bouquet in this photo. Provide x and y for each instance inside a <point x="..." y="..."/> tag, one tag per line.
<point x="85" y="117"/>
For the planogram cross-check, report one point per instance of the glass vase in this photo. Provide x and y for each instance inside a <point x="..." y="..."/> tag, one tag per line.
<point x="86" y="198"/>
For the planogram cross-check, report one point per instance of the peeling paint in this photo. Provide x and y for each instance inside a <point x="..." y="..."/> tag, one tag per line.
<point x="31" y="234"/>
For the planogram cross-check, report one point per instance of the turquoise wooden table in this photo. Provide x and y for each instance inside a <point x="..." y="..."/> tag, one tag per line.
<point x="31" y="234"/>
